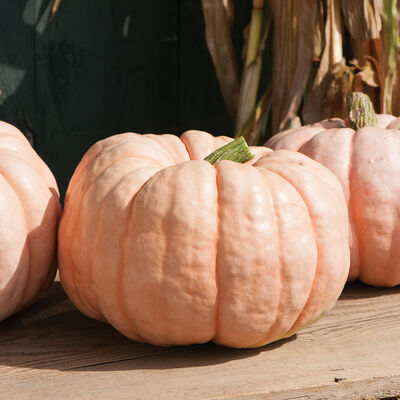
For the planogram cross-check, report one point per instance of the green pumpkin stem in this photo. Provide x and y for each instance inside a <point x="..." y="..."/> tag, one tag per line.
<point x="237" y="151"/>
<point x="361" y="111"/>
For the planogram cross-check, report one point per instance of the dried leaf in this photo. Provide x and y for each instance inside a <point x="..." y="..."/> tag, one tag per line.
<point x="321" y="100"/>
<point x="318" y="41"/>
<point x="292" y="58"/>
<point x="293" y="123"/>
<point x="366" y="72"/>
<point x="362" y="18"/>
<point x="339" y="85"/>
<point x="253" y="128"/>
<point x="255" y="137"/>
<point x="219" y="42"/>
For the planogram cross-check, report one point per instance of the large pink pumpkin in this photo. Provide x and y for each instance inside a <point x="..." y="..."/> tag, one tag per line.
<point x="367" y="163"/>
<point x="29" y="212"/>
<point x="170" y="249"/>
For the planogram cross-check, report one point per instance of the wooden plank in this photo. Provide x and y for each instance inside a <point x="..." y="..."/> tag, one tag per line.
<point x="375" y="388"/>
<point x="51" y="351"/>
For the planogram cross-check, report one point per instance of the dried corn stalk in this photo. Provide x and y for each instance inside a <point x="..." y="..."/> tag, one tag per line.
<point x="248" y="111"/>
<point x="293" y="53"/>
<point x="218" y="21"/>
<point x="332" y="76"/>
<point x="362" y="18"/>
<point x="322" y="51"/>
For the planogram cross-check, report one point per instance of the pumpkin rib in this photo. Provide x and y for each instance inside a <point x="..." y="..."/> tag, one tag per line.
<point x="88" y="157"/>
<point x="29" y="227"/>
<point x="92" y="295"/>
<point x="186" y="147"/>
<point x="278" y="235"/>
<point x="99" y="220"/>
<point x="74" y="229"/>
<point x="217" y="269"/>
<point x="169" y="245"/>
<point x="12" y="280"/>
<point x="161" y="148"/>
<point x="35" y="166"/>
<point x="319" y="149"/>
<point x="124" y="138"/>
<point x="20" y="303"/>
<point x="201" y="144"/>
<point x="393" y="245"/>
<point x="69" y="285"/>
<point x="295" y="328"/>
<point x="124" y="257"/>
<point x="74" y="263"/>
<point x="85" y="191"/>
<point x="356" y="247"/>
<point x="23" y="180"/>
<point x="99" y="174"/>
<point x="376" y="172"/>
<point x="317" y="270"/>
<point x="245" y="278"/>
<point x="286" y="134"/>
<point x="194" y="291"/>
<point x="173" y="145"/>
<point x="101" y="215"/>
<point x="306" y="207"/>
<point x="29" y="214"/>
<point x="120" y="282"/>
<point x="31" y="155"/>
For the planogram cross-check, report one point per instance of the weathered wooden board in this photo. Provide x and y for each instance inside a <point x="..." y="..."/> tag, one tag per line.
<point x="51" y="351"/>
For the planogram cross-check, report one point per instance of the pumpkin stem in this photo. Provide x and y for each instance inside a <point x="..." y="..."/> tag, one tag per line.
<point x="237" y="151"/>
<point x="361" y="111"/>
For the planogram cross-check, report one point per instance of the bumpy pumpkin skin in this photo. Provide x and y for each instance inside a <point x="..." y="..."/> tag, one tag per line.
<point x="29" y="212"/>
<point x="367" y="164"/>
<point x="173" y="252"/>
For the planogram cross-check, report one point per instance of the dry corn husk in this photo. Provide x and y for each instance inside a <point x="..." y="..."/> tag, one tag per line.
<point x="218" y="17"/>
<point x="292" y="56"/>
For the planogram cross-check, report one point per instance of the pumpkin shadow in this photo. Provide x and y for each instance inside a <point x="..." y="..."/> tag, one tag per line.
<point x="53" y="334"/>
<point x="359" y="290"/>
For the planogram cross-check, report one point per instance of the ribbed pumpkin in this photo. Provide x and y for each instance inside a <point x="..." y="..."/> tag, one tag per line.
<point x="364" y="154"/>
<point x="172" y="250"/>
<point x="29" y="212"/>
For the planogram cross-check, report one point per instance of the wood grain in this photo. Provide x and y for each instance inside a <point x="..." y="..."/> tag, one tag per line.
<point x="51" y="351"/>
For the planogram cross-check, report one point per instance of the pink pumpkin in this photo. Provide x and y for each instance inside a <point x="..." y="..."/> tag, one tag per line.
<point x="366" y="160"/>
<point x="29" y="212"/>
<point x="172" y="250"/>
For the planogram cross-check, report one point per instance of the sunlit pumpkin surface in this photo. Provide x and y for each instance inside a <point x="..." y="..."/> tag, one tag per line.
<point x="367" y="163"/>
<point x="29" y="211"/>
<point x="170" y="249"/>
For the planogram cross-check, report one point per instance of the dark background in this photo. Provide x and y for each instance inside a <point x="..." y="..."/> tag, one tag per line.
<point x="101" y="67"/>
